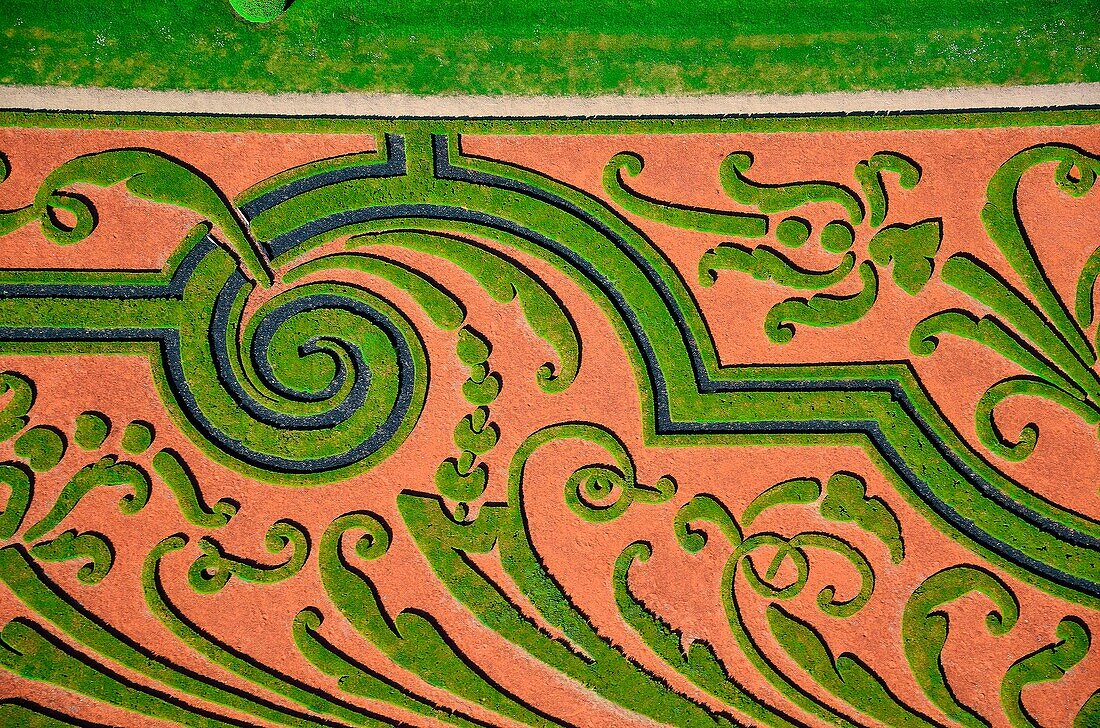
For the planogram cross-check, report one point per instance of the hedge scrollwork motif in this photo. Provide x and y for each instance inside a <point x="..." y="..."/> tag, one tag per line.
<point x="1041" y="334"/>
<point x="273" y="368"/>
<point x="909" y="248"/>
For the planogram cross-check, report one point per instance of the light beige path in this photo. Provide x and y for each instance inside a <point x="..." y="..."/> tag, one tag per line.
<point x="50" y="98"/>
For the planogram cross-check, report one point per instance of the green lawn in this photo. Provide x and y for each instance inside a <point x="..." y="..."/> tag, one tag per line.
<point x="552" y="47"/>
